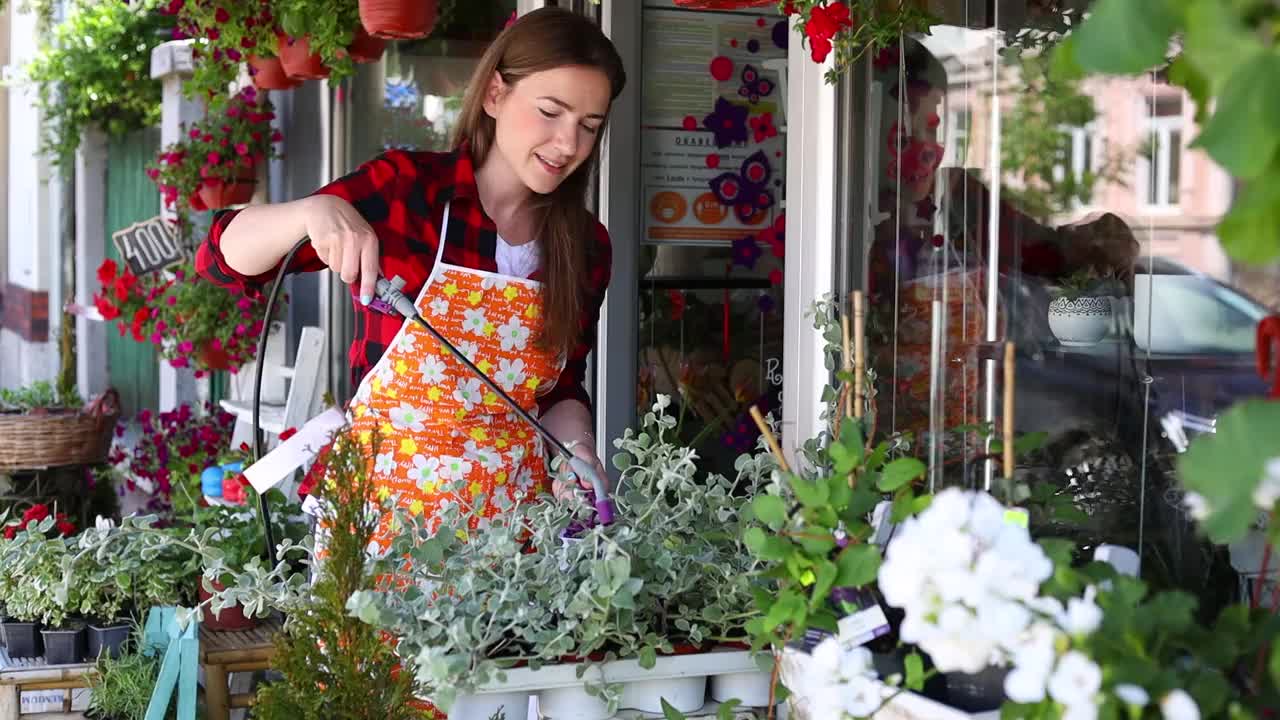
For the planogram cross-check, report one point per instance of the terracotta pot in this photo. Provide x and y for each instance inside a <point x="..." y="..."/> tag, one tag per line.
<point x="298" y="60"/>
<point x="398" y="19"/>
<point x="269" y="74"/>
<point x="232" y="618"/>
<point x="366" y="48"/>
<point x="214" y="359"/>
<point x="217" y="193"/>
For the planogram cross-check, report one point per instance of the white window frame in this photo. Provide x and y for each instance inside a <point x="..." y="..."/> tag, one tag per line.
<point x="1079" y="162"/>
<point x="1161" y="130"/>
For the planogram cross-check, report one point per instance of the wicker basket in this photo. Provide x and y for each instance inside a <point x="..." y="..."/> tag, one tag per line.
<point x="32" y="441"/>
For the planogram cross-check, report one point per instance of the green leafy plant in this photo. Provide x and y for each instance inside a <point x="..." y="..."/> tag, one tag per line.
<point x="1227" y="58"/>
<point x="226" y="34"/>
<point x="238" y="534"/>
<point x="853" y="28"/>
<point x="329" y="26"/>
<point x="96" y="73"/>
<point x="226" y="146"/>
<point x="122" y="686"/>
<point x="335" y="666"/>
<point x="40" y="395"/>
<point x="1082" y="283"/>
<point x="534" y="584"/>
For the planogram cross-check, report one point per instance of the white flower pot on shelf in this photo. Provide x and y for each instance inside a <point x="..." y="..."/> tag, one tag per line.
<point x="681" y="680"/>
<point x="750" y="688"/>
<point x="1082" y="321"/>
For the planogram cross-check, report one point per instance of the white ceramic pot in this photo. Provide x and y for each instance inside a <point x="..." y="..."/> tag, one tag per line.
<point x="1080" y="322"/>
<point x="749" y="688"/>
<point x="513" y="706"/>
<point x="685" y="694"/>
<point x="571" y="703"/>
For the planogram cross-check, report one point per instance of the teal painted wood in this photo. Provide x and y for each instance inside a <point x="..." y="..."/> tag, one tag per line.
<point x="133" y="367"/>
<point x="179" y="669"/>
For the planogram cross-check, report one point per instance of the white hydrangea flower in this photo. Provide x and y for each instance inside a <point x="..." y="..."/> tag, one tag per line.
<point x="963" y="575"/>
<point x="1178" y="705"/>
<point x="1132" y="695"/>
<point x="1083" y="616"/>
<point x="1076" y="680"/>
<point x="1197" y="506"/>
<point x="1268" y="490"/>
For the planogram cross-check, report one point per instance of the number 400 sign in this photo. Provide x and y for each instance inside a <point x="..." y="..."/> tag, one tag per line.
<point x="149" y="246"/>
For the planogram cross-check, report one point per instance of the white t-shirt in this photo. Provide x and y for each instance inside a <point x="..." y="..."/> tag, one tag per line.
<point x="518" y="260"/>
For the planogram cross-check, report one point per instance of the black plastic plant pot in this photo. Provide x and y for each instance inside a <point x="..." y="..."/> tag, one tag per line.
<point x="106" y="639"/>
<point x="64" y="647"/>
<point x="22" y="639"/>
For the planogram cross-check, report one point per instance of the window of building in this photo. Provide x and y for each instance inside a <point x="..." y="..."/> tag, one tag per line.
<point x="1161" y="163"/>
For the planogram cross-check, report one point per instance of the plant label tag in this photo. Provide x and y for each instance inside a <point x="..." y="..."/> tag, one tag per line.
<point x="865" y="624"/>
<point x="1016" y="516"/>
<point x="295" y="452"/>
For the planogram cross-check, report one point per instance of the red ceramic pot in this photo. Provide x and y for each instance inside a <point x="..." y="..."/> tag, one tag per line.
<point x="217" y="193"/>
<point x="366" y="48"/>
<point x="298" y="60"/>
<point x="232" y="618"/>
<point x="398" y="19"/>
<point x="269" y="74"/>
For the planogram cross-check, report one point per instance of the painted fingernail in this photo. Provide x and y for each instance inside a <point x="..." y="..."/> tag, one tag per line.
<point x="366" y="299"/>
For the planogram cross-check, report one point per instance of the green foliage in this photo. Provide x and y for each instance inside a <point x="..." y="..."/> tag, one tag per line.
<point x="673" y="570"/>
<point x="96" y="73"/>
<point x="1037" y="141"/>
<point x="226" y="34"/>
<point x="39" y="395"/>
<point x="238" y="535"/>
<point x="336" y="667"/>
<point x="328" y="25"/>
<point x="122" y="687"/>
<point x="1227" y="58"/>
<point x="1226" y="468"/>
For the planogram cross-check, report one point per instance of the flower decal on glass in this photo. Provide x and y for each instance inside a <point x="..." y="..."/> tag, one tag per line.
<point x="754" y="86"/>
<point x="746" y="191"/>
<point x="728" y="122"/>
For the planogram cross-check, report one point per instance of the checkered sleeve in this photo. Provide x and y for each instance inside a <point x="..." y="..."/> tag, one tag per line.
<point x="570" y="385"/>
<point x="371" y="189"/>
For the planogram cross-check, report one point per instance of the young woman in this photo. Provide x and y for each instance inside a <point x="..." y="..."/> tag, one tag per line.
<point x="495" y="243"/>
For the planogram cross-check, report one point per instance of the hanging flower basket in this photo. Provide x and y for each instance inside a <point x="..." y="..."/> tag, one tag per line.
<point x="218" y="193"/>
<point x="269" y="74"/>
<point x="298" y="60"/>
<point x="366" y="48"/>
<point x="398" y="19"/>
<point x="214" y="357"/>
<point x="50" y="439"/>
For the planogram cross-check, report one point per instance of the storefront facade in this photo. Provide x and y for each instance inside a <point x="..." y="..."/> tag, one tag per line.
<point x="943" y="174"/>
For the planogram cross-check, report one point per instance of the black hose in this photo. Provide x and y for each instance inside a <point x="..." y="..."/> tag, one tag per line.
<point x="263" y="511"/>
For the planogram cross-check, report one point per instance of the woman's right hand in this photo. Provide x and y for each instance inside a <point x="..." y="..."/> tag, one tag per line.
<point x="344" y="241"/>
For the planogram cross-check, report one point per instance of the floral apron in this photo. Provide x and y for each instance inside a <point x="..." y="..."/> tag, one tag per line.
<point x="445" y="437"/>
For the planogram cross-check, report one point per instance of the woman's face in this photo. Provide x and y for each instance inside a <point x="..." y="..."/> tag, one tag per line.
<point x="548" y="122"/>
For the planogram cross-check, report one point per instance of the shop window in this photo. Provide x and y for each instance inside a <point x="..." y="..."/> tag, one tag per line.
<point x="713" y="134"/>
<point x="1116" y="328"/>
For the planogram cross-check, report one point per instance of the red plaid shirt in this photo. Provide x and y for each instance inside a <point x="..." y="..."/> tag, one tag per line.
<point x="402" y="196"/>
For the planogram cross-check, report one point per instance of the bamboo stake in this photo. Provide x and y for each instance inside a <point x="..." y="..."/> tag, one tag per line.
<point x="1008" y="409"/>
<point x="769" y="438"/>
<point x="859" y="355"/>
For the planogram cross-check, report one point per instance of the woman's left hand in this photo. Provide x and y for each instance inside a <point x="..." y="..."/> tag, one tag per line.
<point x="564" y="480"/>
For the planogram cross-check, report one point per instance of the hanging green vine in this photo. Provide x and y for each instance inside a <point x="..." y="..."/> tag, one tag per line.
<point x="1224" y="53"/>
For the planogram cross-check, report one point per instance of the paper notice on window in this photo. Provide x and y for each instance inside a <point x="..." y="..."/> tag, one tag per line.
<point x="706" y="70"/>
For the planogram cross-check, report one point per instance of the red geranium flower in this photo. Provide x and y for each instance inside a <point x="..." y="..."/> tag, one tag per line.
<point x="825" y="22"/>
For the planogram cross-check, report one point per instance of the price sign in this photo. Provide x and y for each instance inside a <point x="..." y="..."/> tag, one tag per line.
<point x="149" y="246"/>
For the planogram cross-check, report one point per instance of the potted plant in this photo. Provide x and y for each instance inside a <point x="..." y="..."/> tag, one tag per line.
<point x="1081" y="314"/>
<point x="166" y="461"/>
<point x="46" y="426"/>
<point x="331" y="32"/>
<point x="536" y="585"/>
<point x="192" y="322"/>
<point x="24" y="541"/>
<point x="43" y="592"/>
<point x="122" y="685"/>
<point x="96" y="74"/>
<point x="216" y="164"/>
<point x="226" y="33"/>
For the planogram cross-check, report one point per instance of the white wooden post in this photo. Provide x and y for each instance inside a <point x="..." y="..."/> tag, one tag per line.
<point x="91" y="232"/>
<point x="170" y="63"/>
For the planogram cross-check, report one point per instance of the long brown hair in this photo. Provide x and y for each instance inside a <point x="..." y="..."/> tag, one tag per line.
<point x="546" y="39"/>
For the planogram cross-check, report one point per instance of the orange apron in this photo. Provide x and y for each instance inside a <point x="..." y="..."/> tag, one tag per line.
<point x="445" y="437"/>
